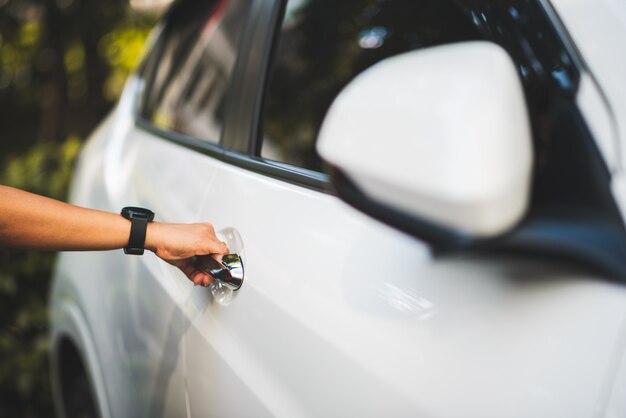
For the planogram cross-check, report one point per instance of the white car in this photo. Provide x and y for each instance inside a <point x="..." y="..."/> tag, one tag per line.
<point x="428" y="197"/>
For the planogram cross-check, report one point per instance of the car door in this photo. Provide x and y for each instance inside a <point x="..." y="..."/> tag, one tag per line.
<point x="340" y="315"/>
<point x="151" y="298"/>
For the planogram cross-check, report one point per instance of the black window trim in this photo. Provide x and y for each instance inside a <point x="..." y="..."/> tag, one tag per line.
<point x="291" y="174"/>
<point x="262" y="24"/>
<point x="564" y="35"/>
<point x="278" y="8"/>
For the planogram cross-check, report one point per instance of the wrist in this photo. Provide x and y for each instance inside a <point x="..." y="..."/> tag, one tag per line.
<point x="153" y="236"/>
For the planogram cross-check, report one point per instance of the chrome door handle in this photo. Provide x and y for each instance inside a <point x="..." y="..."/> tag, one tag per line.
<point x="228" y="269"/>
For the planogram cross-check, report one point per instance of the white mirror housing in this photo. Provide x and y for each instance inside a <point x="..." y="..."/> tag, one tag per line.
<point x="441" y="134"/>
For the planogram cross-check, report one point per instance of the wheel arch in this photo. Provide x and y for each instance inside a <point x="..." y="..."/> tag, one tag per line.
<point x="71" y="349"/>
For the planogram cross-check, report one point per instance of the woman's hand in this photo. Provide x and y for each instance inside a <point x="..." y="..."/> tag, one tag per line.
<point x="178" y="243"/>
<point x="32" y="221"/>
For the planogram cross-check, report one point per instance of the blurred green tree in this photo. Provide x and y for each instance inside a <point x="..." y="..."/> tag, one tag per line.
<point x="63" y="64"/>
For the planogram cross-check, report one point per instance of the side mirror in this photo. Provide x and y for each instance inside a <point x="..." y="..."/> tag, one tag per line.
<point x="440" y="137"/>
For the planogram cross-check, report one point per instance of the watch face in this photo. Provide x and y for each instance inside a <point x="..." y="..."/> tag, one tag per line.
<point x="130" y="212"/>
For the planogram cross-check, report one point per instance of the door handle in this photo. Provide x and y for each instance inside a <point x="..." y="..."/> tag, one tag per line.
<point x="227" y="269"/>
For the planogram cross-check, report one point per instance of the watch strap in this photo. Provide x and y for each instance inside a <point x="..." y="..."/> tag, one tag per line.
<point x="137" y="238"/>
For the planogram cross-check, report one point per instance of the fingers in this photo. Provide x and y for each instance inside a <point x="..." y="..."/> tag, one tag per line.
<point x="222" y="248"/>
<point x="196" y="276"/>
<point x="177" y="243"/>
<point x="200" y="278"/>
<point x="212" y="245"/>
<point x="180" y="241"/>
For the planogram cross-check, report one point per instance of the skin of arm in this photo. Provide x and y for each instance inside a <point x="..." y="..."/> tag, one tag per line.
<point x="35" y="222"/>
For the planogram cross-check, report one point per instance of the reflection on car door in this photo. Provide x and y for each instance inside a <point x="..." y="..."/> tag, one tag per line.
<point x="306" y="315"/>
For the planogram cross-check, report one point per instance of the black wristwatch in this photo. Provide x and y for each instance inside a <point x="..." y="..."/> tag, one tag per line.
<point x="139" y="218"/>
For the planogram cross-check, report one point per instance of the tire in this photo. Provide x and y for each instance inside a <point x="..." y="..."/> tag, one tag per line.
<point x="79" y="401"/>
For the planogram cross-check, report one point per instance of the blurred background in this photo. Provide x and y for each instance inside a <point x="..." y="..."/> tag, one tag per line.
<point x="63" y="64"/>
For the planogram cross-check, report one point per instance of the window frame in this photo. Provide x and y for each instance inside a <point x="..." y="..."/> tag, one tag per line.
<point x="243" y="105"/>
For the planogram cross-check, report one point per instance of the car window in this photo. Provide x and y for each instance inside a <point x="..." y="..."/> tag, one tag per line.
<point x="324" y="44"/>
<point x="188" y="72"/>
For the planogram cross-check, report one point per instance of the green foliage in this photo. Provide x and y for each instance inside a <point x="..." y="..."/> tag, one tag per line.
<point x="74" y="60"/>
<point x="122" y="48"/>
<point x="62" y="65"/>
<point x="44" y="169"/>
<point x="24" y="284"/>
<point x="16" y="55"/>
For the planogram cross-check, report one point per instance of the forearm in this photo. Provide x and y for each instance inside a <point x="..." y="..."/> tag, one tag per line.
<point x="31" y="221"/>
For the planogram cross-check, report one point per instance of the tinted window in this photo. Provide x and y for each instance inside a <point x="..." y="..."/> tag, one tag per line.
<point x="323" y="44"/>
<point x="188" y="72"/>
